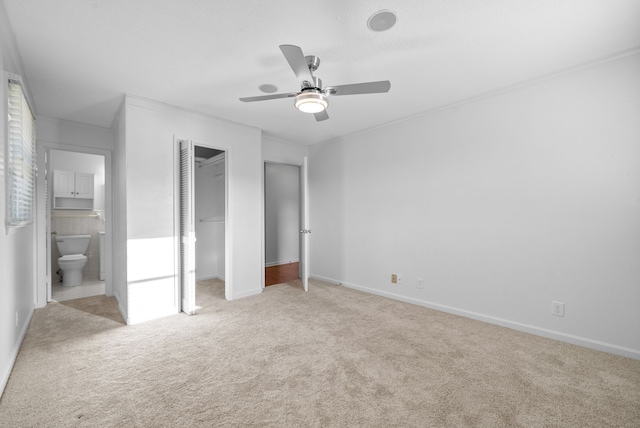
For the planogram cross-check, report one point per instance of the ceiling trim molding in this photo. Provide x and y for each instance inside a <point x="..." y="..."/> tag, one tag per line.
<point x="128" y="97"/>
<point x="591" y="64"/>
<point x="269" y="136"/>
<point x="57" y="119"/>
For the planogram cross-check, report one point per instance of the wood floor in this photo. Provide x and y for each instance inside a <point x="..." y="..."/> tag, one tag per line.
<point x="281" y="273"/>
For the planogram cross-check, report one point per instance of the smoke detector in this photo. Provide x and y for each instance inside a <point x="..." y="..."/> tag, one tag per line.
<point x="382" y="20"/>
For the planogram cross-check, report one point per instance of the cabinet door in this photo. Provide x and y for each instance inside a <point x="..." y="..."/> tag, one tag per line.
<point x="63" y="184"/>
<point x="84" y="185"/>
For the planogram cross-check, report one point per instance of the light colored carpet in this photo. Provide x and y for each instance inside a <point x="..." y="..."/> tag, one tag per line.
<point x="329" y="357"/>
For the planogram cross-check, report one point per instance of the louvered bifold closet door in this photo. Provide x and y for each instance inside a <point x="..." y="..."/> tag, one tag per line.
<point x="187" y="229"/>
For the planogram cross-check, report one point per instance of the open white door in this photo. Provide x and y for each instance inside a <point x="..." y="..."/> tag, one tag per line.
<point x="187" y="229"/>
<point x="304" y="230"/>
<point x="48" y="236"/>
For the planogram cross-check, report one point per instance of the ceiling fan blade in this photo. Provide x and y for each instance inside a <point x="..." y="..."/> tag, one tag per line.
<point x="321" y="116"/>
<point x="359" y="88"/>
<point x="267" y="97"/>
<point x="298" y="63"/>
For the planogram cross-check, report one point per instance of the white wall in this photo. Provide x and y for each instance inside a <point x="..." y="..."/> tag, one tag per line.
<point x="282" y="214"/>
<point x="73" y="140"/>
<point x="500" y="205"/>
<point x="210" y="217"/>
<point x="151" y="195"/>
<point x="279" y="151"/>
<point x="17" y="247"/>
<point x="74" y="134"/>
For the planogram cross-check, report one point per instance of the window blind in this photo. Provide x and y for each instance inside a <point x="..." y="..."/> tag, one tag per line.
<point x="20" y="157"/>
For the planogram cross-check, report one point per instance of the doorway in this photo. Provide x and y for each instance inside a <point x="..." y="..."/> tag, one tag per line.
<point x="81" y="176"/>
<point x="85" y="212"/>
<point x="283" y="211"/>
<point x="202" y="225"/>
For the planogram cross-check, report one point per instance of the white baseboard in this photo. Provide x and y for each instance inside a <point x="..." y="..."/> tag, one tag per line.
<point x="286" y="262"/>
<point x="14" y="352"/>
<point x="253" y="292"/>
<point x="538" y="331"/>
<point x="204" y="278"/>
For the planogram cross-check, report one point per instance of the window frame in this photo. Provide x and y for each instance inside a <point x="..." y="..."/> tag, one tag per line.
<point x="20" y="156"/>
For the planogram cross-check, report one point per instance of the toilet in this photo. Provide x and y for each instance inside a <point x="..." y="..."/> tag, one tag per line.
<point x="72" y="249"/>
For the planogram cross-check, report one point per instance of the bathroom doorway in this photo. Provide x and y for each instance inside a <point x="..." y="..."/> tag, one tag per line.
<point x="81" y="214"/>
<point x="203" y="225"/>
<point x="74" y="198"/>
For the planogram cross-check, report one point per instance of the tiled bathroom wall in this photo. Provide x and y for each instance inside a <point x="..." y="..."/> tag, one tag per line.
<point x="77" y="225"/>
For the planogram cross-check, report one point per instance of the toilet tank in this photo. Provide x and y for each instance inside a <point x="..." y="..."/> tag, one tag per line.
<point x="72" y="244"/>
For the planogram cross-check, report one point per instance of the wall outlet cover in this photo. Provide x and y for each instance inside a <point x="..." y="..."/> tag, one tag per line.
<point x="557" y="309"/>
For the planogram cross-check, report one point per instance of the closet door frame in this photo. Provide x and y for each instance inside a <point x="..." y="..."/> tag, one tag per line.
<point x="228" y="283"/>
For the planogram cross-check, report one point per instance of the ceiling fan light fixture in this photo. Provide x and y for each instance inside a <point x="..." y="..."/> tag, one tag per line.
<point x="311" y="102"/>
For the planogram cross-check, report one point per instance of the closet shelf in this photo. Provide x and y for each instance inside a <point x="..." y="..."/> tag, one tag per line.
<point x="211" y="220"/>
<point x="76" y="215"/>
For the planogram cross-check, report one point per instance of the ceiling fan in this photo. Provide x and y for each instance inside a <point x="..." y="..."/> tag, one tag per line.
<point x="313" y="98"/>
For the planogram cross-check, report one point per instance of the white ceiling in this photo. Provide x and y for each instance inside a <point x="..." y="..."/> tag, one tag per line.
<point x="80" y="56"/>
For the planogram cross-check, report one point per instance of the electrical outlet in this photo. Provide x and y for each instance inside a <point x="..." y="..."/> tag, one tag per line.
<point x="557" y="309"/>
<point x="394" y="278"/>
<point x="420" y="283"/>
<point x="399" y="279"/>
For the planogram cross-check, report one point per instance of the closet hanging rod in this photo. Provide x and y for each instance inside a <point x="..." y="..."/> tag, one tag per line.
<point x="212" y="161"/>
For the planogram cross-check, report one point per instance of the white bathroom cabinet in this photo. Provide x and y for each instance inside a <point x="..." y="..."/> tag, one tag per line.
<point x="72" y="190"/>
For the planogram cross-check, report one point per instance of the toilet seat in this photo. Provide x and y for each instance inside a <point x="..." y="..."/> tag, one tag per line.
<point x="72" y="258"/>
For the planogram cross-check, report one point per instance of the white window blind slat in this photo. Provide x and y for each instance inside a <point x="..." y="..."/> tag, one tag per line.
<point x="21" y="158"/>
